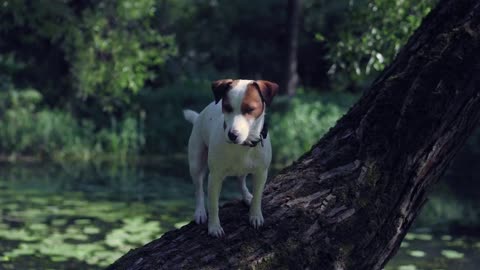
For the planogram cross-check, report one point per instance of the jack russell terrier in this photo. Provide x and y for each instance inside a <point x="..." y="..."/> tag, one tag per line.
<point x="231" y="139"/>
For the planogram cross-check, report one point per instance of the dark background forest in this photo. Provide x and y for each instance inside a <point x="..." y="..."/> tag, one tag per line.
<point x="91" y="94"/>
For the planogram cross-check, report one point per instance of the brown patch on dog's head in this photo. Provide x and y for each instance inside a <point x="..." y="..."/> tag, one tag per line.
<point x="267" y="89"/>
<point x="252" y="104"/>
<point x="221" y="87"/>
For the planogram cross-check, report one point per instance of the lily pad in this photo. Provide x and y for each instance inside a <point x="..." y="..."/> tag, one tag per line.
<point x="416" y="253"/>
<point x="446" y="238"/>
<point x="452" y="254"/>
<point x="407" y="267"/>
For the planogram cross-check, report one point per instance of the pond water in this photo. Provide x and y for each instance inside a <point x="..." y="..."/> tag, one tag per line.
<point x="85" y="217"/>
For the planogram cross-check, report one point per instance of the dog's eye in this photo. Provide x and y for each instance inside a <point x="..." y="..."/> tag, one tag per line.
<point x="249" y="109"/>
<point x="227" y="108"/>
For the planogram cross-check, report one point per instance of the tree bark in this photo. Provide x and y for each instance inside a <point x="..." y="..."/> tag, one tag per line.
<point x="290" y="81"/>
<point x="348" y="202"/>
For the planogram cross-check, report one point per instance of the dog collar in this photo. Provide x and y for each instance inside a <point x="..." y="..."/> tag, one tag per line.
<point x="263" y="135"/>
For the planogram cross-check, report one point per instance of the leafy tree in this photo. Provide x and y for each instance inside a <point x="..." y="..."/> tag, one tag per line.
<point x="115" y="48"/>
<point x="371" y="36"/>
<point x="99" y="50"/>
<point x="232" y="37"/>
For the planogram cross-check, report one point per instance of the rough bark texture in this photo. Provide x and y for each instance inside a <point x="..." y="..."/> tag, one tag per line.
<point x="289" y="84"/>
<point x="348" y="202"/>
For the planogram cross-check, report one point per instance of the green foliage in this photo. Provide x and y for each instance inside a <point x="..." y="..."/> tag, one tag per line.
<point x="115" y="49"/>
<point x="27" y="130"/>
<point x="372" y="36"/>
<point x="124" y="139"/>
<point x="231" y="36"/>
<point x="166" y="129"/>
<point x="163" y="129"/>
<point x="101" y="50"/>
<point x="448" y="206"/>
<point x="302" y="121"/>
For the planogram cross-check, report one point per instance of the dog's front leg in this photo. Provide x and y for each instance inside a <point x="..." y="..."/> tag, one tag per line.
<point x="256" y="217"/>
<point x="214" y="187"/>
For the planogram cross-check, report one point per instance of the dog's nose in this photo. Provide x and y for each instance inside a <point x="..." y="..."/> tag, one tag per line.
<point x="232" y="135"/>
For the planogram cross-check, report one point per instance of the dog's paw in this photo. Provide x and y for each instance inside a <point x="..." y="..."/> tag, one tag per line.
<point x="247" y="198"/>
<point x="216" y="230"/>
<point x="200" y="216"/>
<point x="256" y="220"/>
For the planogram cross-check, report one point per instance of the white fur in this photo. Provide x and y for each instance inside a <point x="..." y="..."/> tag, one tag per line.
<point x="190" y="115"/>
<point x="209" y="147"/>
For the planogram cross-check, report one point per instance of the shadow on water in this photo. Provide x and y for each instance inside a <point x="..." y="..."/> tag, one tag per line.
<point x="85" y="217"/>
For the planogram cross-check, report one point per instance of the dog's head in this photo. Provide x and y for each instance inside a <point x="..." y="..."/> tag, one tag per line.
<point x="243" y="106"/>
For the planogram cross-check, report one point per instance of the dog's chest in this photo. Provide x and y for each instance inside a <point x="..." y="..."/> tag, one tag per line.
<point x="240" y="160"/>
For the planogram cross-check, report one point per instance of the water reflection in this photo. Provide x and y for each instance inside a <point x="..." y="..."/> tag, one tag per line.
<point x="424" y="251"/>
<point x="76" y="217"/>
<point x="85" y="217"/>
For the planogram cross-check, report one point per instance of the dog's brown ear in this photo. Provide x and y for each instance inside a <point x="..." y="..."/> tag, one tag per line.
<point x="220" y="88"/>
<point x="267" y="89"/>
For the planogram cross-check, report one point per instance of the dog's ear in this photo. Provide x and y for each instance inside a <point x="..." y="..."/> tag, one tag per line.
<point x="267" y="90"/>
<point x="220" y="88"/>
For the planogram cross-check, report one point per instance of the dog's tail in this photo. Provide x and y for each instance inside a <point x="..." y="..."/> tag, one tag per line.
<point x="190" y="115"/>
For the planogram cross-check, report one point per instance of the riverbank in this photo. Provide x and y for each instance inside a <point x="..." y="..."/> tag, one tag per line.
<point x="30" y="132"/>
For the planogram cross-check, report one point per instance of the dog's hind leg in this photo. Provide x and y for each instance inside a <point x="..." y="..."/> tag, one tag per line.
<point x="197" y="158"/>
<point x="246" y="195"/>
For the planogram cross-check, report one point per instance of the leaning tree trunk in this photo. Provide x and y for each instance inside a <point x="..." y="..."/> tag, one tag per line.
<point x="348" y="202"/>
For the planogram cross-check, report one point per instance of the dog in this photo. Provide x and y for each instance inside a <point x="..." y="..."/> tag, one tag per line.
<point x="230" y="138"/>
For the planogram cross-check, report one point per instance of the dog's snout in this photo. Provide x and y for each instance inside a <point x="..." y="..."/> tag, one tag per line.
<point x="232" y="135"/>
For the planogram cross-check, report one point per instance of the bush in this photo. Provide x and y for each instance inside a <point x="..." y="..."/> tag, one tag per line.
<point x="370" y="37"/>
<point x="300" y="122"/>
<point x="166" y="130"/>
<point x="104" y="51"/>
<point x="29" y="131"/>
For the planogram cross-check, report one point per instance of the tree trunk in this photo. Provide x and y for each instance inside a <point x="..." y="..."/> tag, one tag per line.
<point x="290" y="80"/>
<point x="348" y="202"/>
